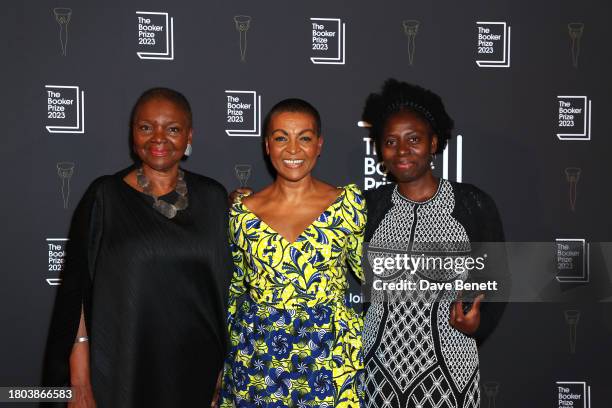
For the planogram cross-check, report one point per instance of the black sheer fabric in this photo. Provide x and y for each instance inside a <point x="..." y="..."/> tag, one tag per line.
<point x="154" y="294"/>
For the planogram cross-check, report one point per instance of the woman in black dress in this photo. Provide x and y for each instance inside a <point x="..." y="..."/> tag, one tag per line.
<point x="139" y="317"/>
<point x="421" y="348"/>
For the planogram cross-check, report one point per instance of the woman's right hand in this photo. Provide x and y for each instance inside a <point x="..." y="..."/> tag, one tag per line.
<point x="80" y="379"/>
<point x="82" y="396"/>
<point x="239" y="192"/>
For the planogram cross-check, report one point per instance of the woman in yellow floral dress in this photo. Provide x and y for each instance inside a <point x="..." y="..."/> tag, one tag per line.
<point x="294" y="340"/>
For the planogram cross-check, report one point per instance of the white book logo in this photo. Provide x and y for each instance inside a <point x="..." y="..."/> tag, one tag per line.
<point x="65" y="109"/>
<point x="155" y="35"/>
<point x="328" y="41"/>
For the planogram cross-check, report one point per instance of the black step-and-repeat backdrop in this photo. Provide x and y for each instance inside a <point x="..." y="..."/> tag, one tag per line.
<point x="527" y="82"/>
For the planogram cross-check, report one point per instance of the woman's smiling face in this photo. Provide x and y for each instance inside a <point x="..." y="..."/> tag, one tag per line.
<point x="293" y="144"/>
<point x="160" y="133"/>
<point x="407" y="144"/>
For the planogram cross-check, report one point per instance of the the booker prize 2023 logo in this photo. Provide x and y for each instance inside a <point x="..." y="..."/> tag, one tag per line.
<point x="242" y="113"/>
<point x="56" y="248"/>
<point x="574" y="118"/>
<point x="573" y="394"/>
<point x="492" y="44"/>
<point x="572" y="260"/>
<point x="328" y="41"/>
<point x="65" y="109"/>
<point x="155" y="35"/>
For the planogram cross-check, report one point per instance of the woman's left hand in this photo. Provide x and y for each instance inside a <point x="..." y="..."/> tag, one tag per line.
<point x="466" y="322"/>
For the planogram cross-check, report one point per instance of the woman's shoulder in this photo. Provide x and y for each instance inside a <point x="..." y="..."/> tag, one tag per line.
<point x="207" y="190"/>
<point x="353" y="194"/>
<point x="205" y="182"/>
<point x="102" y="181"/>
<point x="379" y="193"/>
<point x="471" y="196"/>
<point x="245" y="203"/>
<point x="242" y="205"/>
<point x="100" y="184"/>
<point x="353" y="207"/>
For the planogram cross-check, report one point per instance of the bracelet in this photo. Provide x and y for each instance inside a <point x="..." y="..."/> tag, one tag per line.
<point x="82" y="339"/>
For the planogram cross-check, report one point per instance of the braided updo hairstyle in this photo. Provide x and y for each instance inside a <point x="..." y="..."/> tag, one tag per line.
<point x="397" y="96"/>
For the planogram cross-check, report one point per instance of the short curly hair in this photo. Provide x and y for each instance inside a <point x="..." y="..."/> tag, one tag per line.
<point x="397" y="96"/>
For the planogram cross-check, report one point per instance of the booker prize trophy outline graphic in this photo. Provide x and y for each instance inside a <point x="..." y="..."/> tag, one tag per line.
<point x="491" y="389"/>
<point x="575" y="31"/>
<point x="490" y="46"/>
<point x="243" y="173"/>
<point x="55" y="108"/>
<point x="243" y="23"/>
<point x="168" y="54"/>
<point x="62" y="16"/>
<point x="566" y="116"/>
<point x="65" y="170"/>
<point x="571" y="318"/>
<point x="340" y="35"/>
<point x="235" y="114"/>
<point x="572" y="175"/>
<point x="411" y="29"/>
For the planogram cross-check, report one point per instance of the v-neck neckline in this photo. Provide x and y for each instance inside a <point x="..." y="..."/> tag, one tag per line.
<point x="297" y="239"/>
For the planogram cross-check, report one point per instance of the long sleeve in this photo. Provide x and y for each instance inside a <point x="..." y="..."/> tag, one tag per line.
<point x="237" y="285"/>
<point x="75" y="289"/>
<point x="222" y="264"/>
<point x="493" y="237"/>
<point x="355" y="208"/>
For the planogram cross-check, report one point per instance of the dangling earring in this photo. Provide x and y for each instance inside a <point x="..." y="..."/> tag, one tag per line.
<point x="384" y="171"/>
<point x="431" y="163"/>
<point x="188" y="150"/>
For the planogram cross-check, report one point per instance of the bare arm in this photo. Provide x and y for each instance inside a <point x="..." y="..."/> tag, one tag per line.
<point x="79" y="370"/>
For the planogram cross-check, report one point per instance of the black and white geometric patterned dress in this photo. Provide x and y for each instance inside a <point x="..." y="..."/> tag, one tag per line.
<point x="414" y="358"/>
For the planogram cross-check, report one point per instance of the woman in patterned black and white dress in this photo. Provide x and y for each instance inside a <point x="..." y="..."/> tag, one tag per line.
<point x="423" y="352"/>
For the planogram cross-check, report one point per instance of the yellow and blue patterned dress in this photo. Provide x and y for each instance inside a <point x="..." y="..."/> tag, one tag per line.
<point x="294" y="340"/>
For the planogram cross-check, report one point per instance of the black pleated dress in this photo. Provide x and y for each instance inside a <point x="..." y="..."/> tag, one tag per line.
<point x="153" y="291"/>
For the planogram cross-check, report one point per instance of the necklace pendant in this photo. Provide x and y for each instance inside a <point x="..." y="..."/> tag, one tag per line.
<point x="181" y="187"/>
<point x="166" y="209"/>
<point x="181" y="203"/>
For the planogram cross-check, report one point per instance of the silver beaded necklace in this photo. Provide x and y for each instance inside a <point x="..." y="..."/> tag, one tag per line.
<point x="165" y="208"/>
